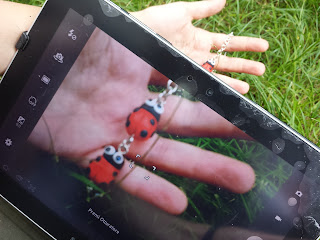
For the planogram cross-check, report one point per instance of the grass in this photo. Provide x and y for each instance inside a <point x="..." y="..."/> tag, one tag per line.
<point x="290" y="89"/>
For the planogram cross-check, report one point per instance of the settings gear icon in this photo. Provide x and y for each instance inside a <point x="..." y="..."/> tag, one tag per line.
<point x="8" y="142"/>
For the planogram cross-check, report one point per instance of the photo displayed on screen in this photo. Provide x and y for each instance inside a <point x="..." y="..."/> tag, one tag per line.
<point x="122" y="152"/>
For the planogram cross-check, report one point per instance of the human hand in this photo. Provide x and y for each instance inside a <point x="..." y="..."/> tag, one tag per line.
<point x="15" y="18"/>
<point x="90" y="109"/>
<point x="173" y="21"/>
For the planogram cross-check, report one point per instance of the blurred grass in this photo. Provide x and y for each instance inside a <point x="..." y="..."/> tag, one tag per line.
<point x="290" y="88"/>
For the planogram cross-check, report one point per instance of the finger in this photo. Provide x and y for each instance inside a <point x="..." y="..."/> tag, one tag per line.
<point x="240" y="86"/>
<point x="240" y="65"/>
<point x="154" y="190"/>
<point x="203" y="9"/>
<point x="193" y="162"/>
<point x="147" y="186"/>
<point x="239" y="43"/>
<point x="208" y="40"/>
<point x="157" y="78"/>
<point x="196" y="119"/>
<point x="231" y="64"/>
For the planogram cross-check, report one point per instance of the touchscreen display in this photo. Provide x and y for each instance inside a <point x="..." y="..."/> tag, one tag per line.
<point x="121" y="152"/>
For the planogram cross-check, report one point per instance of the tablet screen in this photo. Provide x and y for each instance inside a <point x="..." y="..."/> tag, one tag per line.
<point x="121" y="152"/>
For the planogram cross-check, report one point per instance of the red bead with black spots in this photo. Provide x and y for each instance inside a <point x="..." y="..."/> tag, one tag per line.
<point x="208" y="66"/>
<point x="142" y="124"/>
<point x="106" y="167"/>
<point x="102" y="171"/>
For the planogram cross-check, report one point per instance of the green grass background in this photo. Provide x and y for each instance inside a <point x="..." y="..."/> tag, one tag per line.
<point x="290" y="88"/>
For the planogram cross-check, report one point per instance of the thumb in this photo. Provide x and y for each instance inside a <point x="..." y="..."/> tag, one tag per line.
<point x="203" y="9"/>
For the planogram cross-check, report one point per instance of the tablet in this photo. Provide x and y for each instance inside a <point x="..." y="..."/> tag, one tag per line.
<point x="109" y="132"/>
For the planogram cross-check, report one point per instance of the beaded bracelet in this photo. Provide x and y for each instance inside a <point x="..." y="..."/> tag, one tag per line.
<point x="141" y="125"/>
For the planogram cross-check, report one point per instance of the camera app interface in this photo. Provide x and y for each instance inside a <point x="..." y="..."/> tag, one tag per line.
<point x="120" y="151"/>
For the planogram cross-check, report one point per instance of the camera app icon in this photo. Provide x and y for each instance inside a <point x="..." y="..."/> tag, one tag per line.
<point x="58" y="57"/>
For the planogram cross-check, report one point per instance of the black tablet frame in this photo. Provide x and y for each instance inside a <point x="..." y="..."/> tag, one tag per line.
<point x="159" y="53"/>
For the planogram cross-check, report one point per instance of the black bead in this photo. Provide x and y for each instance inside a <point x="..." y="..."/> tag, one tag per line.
<point x="127" y="123"/>
<point x="98" y="159"/>
<point x="144" y="133"/>
<point x="115" y="174"/>
<point x="152" y="122"/>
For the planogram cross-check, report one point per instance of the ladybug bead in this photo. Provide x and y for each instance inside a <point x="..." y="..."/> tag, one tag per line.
<point x="143" y="122"/>
<point x="208" y="66"/>
<point x="106" y="167"/>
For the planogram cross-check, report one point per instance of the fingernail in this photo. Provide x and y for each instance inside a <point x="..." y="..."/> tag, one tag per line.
<point x="245" y="88"/>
